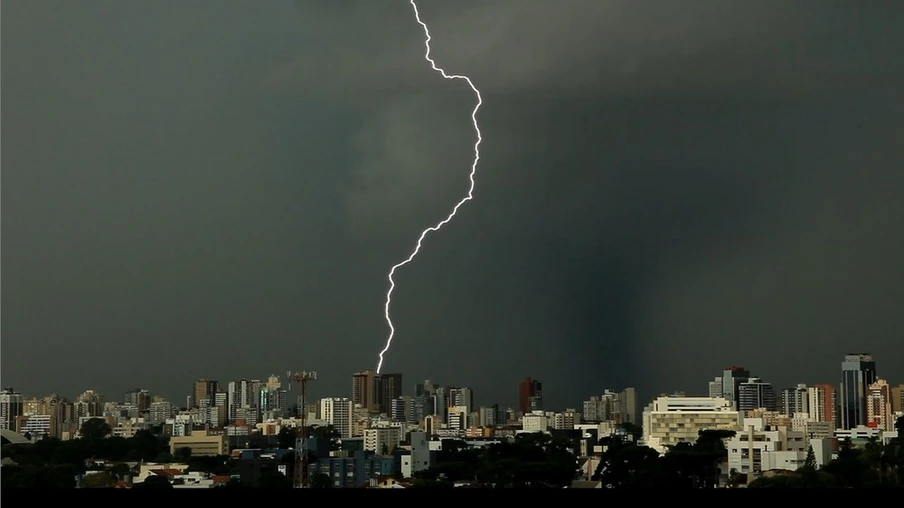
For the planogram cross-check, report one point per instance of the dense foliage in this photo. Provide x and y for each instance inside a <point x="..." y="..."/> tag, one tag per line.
<point x="874" y="465"/>
<point x="53" y="464"/>
<point x="626" y="465"/>
<point x="531" y="460"/>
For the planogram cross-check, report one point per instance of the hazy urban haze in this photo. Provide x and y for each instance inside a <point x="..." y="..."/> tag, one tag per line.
<point x="218" y="188"/>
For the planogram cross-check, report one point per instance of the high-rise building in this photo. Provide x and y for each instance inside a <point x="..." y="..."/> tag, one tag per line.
<point x="897" y="399"/>
<point x="89" y="403"/>
<point x="488" y="416"/>
<point x="403" y="410"/>
<point x="203" y="389"/>
<point x="364" y="387"/>
<point x="425" y="388"/>
<point x="858" y="371"/>
<point x="242" y="401"/>
<point x="421" y="458"/>
<point x="221" y="402"/>
<point x="878" y="406"/>
<point x="732" y="377"/>
<point x="382" y="440"/>
<point x="458" y="417"/>
<point x="11" y="406"/>
<point x="339" y="413"/>
<point x="160" y="411"/>
<point x="258" y="394"/>
<point x="593" y="409"/>
<point x="139" y="398"/>
<point x="628" y="405"/>
<point x="440" y="403"/>
<point x="388" y="388"/>
<point x="755" y="394"/>
<point x="278" y="400"/>
<point x="715" y="387"/>
<point x="795" y="400"/>
<point x="821" y="402"/>
<point x="530" y="395"/>
<point x="462" y="397"/>
<point x="611" y="406"/>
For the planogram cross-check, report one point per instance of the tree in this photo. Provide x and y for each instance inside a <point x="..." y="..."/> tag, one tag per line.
<point x="95" y="429"/>
<point x="145" y="445"/>
<point x="848" y="469"/>
<point x="635" y="431"/>
<point x="431" y="484"/>
<point x="120" y="471"/>
<point x="327" y="432"/>
<point x="234" y="483"/>
<point x="218" y="465"/>
<point x="38" y="477"/>
<point x="627" y="465"/>
<point x="530" y="460"/>
<point x="73" y="452"/>
<point x="810" y="461"/>
<point x="734" y="478"/>
<point x="274" y="480"/>
<point x="286" y="438"/>
<point x="899" y="426"/>
<point x="710" y="450"/>
<point x="163" y="458"/>
<point x="113" y="448"/>
<point x="102" y="480"/>
<point x="320" y="480"/>
<point x="777" y="482"/>
<point x="183" y="454"/>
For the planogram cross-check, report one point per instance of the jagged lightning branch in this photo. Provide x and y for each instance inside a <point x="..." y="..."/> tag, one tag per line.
<point x="464" y="200"/>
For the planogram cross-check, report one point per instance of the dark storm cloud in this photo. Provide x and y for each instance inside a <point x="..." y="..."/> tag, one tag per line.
<point x="665" y="188"/>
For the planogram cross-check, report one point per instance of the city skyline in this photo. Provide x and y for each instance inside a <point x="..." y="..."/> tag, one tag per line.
<point x="519" y="397"/>
<point x="376" y="434"/>
<point x="654" y="203"/>
<point x="862" y="400"/>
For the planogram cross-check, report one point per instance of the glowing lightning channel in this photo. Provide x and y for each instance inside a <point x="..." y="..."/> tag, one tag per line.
<point x="464" y="200"/>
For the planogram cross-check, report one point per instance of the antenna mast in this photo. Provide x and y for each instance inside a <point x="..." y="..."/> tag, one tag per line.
<point x="301" y="441"/>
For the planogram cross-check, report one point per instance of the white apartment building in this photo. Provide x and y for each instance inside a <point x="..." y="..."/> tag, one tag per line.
<point x="35" y="425"/>
<point x="803" y="422"/>
<point x="535" y="421"/>
<point x="672" y="420"/>
<point x="602" y="429"/>
<point x="458" y="418"/>
<point x="340" y="413"/>
<point x="160" y="411"/>
<point x="859" y="433"/>
<point x="565" y="420"/>
<point x="382" y="439"/>
<point x="128" y="428"/>
<point x="759" y="448"/>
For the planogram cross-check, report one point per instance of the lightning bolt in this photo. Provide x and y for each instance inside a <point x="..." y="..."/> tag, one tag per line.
<point x="458" y="205"/>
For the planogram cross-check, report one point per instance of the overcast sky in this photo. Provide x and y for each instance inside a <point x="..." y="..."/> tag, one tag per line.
<point x="666" y="188"/>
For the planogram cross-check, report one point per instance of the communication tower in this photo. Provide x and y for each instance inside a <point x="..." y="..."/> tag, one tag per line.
<point x="300" y="480"/>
